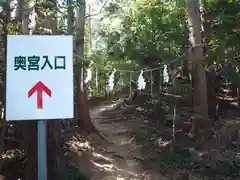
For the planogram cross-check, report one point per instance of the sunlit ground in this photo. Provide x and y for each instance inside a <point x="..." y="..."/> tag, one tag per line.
<point x="101" y="162"/>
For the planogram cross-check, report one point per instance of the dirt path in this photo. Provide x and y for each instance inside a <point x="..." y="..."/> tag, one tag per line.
<point x="136" y="147"/>
<point x="121" y="156"/>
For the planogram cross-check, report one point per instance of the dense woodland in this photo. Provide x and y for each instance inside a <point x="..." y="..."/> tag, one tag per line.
<point x="191" y="122"/>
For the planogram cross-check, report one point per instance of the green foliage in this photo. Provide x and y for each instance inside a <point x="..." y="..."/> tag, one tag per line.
<point x="153" y="32"/>
<point x="150" y="33"/>
<point x="221" y="29"/>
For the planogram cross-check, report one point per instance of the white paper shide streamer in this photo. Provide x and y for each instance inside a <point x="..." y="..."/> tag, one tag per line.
<point x="33" y="19"/>
<point x="141" y="81"/>
<point x="165" y="74"/>
<point x="89" y="75"/>
<point x="111" y="81"/>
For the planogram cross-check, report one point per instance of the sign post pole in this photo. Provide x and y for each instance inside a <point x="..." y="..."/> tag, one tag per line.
<point x="42" y="153"/>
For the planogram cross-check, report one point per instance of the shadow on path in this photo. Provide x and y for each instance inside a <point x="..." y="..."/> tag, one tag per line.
<point x="117" y="158"/>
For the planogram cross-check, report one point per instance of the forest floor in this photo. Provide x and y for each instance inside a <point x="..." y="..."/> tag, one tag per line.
<point x="136" y="146"/>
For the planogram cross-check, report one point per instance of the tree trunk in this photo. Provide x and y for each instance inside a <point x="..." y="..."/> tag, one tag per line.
<point x="70" y="16"/>
<point x="30" y="127"/>
<point x="2" y="119"/>
<point x="211" y="92"/>
<point x="56" y="162"/>
<point x="199" y="75"/>
<point x="3" y="79"/>
<point x="70" y="23"/>
<point x="30" y="133"/>
<point x="83" y="117"/>
<point x="2" y="134"/>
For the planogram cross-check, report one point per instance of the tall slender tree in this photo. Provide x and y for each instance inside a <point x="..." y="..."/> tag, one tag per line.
<point x="6" y="20"/>
<point x="30" y="127"/>
<point x="199" y="73"/>
<point x="82" y="103"/>
<point x="70" y="16"/>
<point x="56" y="163"/>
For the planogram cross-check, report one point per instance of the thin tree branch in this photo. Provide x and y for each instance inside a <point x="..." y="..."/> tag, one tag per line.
<point x="99" y="12"/>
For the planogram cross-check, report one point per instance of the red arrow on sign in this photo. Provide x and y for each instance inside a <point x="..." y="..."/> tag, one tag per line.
<point x="39" y="88"/>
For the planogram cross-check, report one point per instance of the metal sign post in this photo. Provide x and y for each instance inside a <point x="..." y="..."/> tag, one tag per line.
<point x="42" y="150"/>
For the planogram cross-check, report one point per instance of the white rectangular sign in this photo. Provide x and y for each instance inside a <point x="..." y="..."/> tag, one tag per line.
<point x="39" y="77"/>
